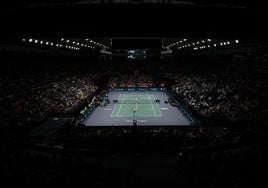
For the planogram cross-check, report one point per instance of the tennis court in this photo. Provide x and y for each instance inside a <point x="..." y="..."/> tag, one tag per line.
<point x="136" y="105"/>
<point x="151" y="109"/>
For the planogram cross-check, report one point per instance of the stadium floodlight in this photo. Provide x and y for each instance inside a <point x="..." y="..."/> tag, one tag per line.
<point x="215" y="45"/>
<point x="47" y="43"/>
<point x="228" y="42"/>
<point x="51" y="43"/>
<point x="30" y="40"/>
<point x="41" y="42"/>
<point x="36" y="41"/>
<point x="221" y="44"/>
<point x="209" y="40"/>
<point x="224" y="43"/>
<point x="67" y="41"/>
<point x="236" y="41"/>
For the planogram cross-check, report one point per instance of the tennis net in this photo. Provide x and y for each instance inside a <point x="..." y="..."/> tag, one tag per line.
<point x="136" y="101"/>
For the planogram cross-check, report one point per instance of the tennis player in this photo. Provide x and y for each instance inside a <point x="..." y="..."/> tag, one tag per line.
<point x="134" y="111"/>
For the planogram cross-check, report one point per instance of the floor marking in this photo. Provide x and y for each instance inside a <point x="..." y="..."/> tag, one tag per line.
<point x="152" y="106"/>
<point x="139" y="121"/>
<point x="114" y="108"/>
<point x="158" y="107"/>
<point x="120" y="105"/>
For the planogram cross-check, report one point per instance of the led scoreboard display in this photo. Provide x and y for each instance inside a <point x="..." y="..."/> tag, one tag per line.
<point x="139" y="54"/>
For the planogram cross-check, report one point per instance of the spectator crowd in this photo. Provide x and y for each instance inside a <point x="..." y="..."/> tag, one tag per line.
<point x="31" y="97"/>
<point x="130" y="81"/>
<point x="208" y="97"/>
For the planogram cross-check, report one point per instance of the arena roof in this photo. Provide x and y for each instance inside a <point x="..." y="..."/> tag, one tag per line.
<point x="72" y="18"/>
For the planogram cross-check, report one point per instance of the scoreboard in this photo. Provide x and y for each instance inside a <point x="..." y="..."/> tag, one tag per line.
<point x="138" y="54"/>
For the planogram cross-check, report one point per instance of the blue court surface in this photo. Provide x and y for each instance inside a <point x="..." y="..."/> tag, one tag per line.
<point x="148" y="108"/>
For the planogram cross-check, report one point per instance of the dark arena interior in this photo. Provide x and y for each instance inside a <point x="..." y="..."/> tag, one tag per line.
<point x="134" y="93"/>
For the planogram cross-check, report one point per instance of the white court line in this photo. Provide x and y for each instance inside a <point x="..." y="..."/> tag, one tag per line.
<point x="136" y="104"/>
<point x="158" y="107"/>
<point x="141" y="109"/>
<point x="136" y="116"/>
<point x="114" y="108"/>
<point x="120" y="106"/>
<point x="152" y="106"/>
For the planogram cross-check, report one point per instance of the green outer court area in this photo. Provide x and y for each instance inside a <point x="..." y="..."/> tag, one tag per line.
<point x="145" y="106"/>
